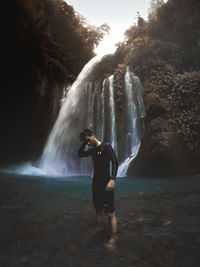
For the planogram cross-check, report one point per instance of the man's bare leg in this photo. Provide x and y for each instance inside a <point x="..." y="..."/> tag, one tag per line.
<point x="113" y="227"/>
<point x="99" y="222"/>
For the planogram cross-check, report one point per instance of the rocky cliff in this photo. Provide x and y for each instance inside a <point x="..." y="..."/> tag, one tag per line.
<point x="45" y="45"/>
<point x="165" y="53"/>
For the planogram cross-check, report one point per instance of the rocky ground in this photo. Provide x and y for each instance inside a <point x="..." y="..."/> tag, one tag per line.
<point x="42" y="227"/>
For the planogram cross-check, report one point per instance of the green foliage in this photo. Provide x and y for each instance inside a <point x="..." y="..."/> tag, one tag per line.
<point x="172" y="34"/>
<point x="63" y="41"/>
<point x="184" y="97"/>
<point x="154" y="5"/>
<point x="45" y="46"/>
<point x="119" y="86"/>
<point x="105" y="68"/>
<point x="165" y="53"/>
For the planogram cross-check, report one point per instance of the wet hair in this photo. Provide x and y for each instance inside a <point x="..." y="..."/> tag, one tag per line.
<point x="83" y="134"/>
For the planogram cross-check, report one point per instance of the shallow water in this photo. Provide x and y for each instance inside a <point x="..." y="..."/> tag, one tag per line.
<point x="80" y="186"/>
<point x="45" y="221"/>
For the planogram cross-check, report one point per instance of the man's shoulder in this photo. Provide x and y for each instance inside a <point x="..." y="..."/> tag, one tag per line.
<point x="106" y="144"/>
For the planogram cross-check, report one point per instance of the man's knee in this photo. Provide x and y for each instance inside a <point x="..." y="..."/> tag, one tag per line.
<point x="99" y="211"/>
<point x="110" y="214"/>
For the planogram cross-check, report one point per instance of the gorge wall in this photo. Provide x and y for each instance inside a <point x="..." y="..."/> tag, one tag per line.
<point x="165" y="53"/>
<point x="45" y="45"/>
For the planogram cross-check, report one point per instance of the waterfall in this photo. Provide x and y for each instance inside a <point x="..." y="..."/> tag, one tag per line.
<point x="60" y="153"/>
<point x="113" y="139"/>
<point x="134" y="112"/>
<point x="103" y="110"/>
<point x="91" y="104"/>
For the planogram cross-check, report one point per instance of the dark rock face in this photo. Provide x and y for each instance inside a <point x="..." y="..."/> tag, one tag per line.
<point x="42" y="54"/>
<point x="165" y="55"/>
<point x="161" y="153"/>
<point x="154" y="107"/>
<point x="170" y="145"/>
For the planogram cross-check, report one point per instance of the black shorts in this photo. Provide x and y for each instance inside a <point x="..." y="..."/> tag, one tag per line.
<point x="102" y="199"/>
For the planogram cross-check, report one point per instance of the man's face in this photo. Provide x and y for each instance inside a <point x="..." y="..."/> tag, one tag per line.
<point x="91" y="140"/>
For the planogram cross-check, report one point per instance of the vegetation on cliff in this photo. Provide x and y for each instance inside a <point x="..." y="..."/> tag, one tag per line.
<point x="45" y="45"/>
<point x="165" y="53"/>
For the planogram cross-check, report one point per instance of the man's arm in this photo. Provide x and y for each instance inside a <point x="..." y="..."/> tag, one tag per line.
<point x="114" y="161"/>
<point x="111" y="184"/>
<point x="82" y="153"/>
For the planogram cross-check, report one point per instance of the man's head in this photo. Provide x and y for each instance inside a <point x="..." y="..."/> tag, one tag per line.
<point x="88" y="136"/>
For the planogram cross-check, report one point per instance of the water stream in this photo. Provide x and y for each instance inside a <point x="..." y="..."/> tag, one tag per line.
<point x="92" y="104"/>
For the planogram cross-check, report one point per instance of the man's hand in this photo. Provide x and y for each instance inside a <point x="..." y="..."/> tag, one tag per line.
<point x="90" y="140"/>
<point x="111" y="185"/>
<point x="86" y="139"/>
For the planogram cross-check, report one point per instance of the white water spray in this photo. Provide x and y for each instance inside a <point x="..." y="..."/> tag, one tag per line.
<point x="91" y="104"/>
<point x="134" y="112"/>
<point x="86" y="106"/>
<point x="113" y="139"/>
<point x="60" y="153"/>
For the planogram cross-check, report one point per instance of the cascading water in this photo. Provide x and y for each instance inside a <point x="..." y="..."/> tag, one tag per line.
<point x="90" y="104"/>
<point x="60" y="153"/>
<point x="134" y="113"/>
<point x="113" y="139"/>
<point x="103" y="109"/>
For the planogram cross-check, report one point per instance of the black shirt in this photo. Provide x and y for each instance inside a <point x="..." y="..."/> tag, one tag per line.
<point x="101" y="155"/>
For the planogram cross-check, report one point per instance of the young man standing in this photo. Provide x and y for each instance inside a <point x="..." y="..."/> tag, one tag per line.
<point x="103" y="184"/>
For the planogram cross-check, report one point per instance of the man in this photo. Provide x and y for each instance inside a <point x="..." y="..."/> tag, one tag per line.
<point x="103" y="184"/>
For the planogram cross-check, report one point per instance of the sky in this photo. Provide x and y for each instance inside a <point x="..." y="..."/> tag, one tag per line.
<point x="118" y="14"/>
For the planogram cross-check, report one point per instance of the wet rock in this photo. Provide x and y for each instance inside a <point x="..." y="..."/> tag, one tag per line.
<point x="153" y="106"/>
<point x="161" y="153"/>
